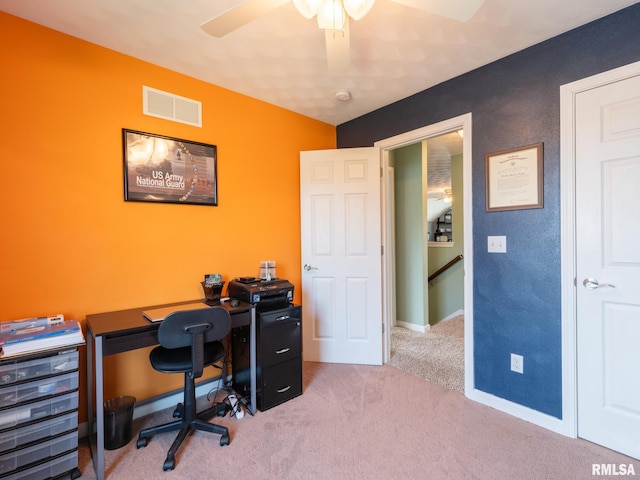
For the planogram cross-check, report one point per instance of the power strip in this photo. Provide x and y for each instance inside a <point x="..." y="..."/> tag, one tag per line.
<point x="236" y="407"/>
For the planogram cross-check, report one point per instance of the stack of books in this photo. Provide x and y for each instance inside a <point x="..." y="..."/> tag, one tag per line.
<point x="35" y="334"/>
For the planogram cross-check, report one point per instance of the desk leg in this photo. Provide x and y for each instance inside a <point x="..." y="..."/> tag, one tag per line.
<point x="253" y="362"/>
<point x="96" y="439"/>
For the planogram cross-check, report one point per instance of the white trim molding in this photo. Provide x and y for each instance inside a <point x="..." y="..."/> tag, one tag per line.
<point x="412" y="326"/>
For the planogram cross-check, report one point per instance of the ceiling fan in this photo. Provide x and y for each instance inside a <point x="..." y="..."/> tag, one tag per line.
<point x="333" y="17"/>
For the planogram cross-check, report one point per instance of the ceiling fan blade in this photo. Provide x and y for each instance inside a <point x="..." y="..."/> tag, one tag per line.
<point x="338" y="49"/>
<point x="460" y="10"/>
<point x="240" y="15"/>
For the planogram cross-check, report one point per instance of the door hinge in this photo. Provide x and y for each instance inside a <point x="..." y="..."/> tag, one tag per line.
<point x="382" y="250"/>
<point x="383" y="328"/>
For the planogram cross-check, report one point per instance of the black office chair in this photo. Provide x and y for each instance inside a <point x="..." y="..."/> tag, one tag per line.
<point x="189" y="341"/>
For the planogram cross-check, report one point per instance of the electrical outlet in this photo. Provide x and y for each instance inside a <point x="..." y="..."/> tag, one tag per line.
<point x="517" y="363"/>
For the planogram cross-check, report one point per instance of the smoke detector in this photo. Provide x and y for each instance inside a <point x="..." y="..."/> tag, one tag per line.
<point x="342" y="96"/>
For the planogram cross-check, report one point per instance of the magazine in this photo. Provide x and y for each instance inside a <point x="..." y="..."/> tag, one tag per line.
<point x="70" y="335"/>
<point x="43" y="331"/>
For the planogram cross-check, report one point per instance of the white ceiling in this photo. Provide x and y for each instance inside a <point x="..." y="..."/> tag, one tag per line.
<point x="440" y="149"/>
<point x="396" y="51"/>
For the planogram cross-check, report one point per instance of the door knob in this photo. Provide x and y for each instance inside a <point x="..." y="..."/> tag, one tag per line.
<point x="308" y="267"/>
<point x="592" y="284"/>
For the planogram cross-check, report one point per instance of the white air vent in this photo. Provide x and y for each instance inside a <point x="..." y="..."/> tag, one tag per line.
<point x="157" y="103"/>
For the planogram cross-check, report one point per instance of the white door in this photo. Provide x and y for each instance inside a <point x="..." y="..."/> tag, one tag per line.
<point x="341" y="255"/>
<point x="608" y="264"/>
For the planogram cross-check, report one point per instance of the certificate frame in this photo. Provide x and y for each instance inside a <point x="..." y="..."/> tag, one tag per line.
<point x="515" y="178"/>
<point x="163" y="169"/>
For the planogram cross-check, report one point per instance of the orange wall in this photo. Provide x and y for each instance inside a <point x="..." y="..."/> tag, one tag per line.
<point x="70" y="243"/>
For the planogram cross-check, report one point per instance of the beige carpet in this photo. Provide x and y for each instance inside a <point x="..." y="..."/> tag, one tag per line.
<point x="437" y="355"/>
<point x="364" y="422"/>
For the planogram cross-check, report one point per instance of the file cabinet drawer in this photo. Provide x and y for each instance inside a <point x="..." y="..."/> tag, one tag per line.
<point x="277" y="317"/>
<point x="281" y="343"/>
<point x="11" y="372"/>
<point x="280" y="383"/>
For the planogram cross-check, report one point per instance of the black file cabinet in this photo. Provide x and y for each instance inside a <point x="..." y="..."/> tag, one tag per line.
<point x="278" y="357"/>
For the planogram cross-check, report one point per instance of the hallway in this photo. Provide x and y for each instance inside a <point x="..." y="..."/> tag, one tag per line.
<point x="436" y="356"/>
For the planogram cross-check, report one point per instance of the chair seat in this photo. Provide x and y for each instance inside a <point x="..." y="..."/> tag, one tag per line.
<point x="176" y="360"/>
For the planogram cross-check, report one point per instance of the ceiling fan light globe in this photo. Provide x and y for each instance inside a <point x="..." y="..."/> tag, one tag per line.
<point x="357" y="9"/>
<point x="331" y="15"/>
<point x="307" y="8"/>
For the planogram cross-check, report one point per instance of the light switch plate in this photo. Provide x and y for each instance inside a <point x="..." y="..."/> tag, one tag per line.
<point x="497" y="244"/>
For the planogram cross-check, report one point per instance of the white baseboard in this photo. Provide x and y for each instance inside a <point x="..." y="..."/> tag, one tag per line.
<point x="413" y="326"/>
<point x="519" y="411"/>
<point x="453" y="315"/>
<point x="425" y="328"/>
<point x="158" y="403"/>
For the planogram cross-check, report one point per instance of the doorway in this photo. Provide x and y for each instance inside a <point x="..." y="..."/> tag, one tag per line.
<point x="428" y="224"/>
<point x="386" y="146"/>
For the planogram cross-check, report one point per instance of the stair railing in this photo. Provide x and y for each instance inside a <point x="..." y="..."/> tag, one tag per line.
<point x="444" y="268"/>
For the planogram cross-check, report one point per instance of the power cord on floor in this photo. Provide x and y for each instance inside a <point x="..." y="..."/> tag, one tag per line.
<point x="213" y="393"/>
<point x="231" y="400"/>
<point x="235" y="407"/>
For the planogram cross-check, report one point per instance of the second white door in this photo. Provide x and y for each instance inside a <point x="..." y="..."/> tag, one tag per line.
<point x="608" y="264"/>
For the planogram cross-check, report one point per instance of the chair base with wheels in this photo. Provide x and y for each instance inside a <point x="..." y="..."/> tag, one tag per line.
<point x="172" y="356"/>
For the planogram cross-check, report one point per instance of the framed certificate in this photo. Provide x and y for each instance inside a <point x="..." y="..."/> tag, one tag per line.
<point x="515" y="179"/>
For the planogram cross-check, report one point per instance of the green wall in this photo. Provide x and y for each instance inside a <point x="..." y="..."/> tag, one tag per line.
<point x="410" y="279"/>
<point x="446" y="292"/>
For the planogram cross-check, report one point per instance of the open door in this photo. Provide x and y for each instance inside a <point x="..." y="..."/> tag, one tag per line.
<point x="341" y="255"/>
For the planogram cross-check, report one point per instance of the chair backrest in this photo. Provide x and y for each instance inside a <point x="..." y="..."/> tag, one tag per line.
<point x="194" y="328"/>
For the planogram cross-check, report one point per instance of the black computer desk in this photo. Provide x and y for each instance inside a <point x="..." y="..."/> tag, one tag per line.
<point x="121" y="331"/>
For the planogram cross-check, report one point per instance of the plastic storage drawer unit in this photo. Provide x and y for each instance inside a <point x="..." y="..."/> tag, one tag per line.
<point x="52" y="469"/>
<point x="39" y="415"/>
<point x="38" y="431"/>
<point x="34" y="411"/>
<point x="20" y="458"/>
<point x="18" y="371"/>
<point x="24" y="392"/>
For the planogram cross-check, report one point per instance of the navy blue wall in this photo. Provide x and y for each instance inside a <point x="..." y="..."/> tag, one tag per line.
<point x="515" y="102"/>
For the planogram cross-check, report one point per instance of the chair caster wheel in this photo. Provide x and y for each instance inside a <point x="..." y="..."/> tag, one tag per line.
<point x="142" y="442"/>
<point x="224" y="440"/>
<point x="169" y="464"/>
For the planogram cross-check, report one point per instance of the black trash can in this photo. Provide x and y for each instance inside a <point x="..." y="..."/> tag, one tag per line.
<point x="118" y="420"/>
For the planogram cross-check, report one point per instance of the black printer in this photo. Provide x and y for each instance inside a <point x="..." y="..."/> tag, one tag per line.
<point x="265" y="294"/>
